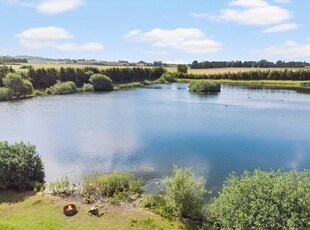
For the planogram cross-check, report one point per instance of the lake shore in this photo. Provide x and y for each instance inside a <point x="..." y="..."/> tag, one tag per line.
<point x="27" y="210"/>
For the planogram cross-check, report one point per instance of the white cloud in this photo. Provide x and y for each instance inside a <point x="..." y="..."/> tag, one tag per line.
<point x="308" y="39"/>
<point x="253" y="12"/>
<point x="48" y="6"/>
<point x="188" y="40"/>
<point x="290" y="49"/>
<point x="282" y="27"/>
<point x="51" y="37"/>
<point x="58" y="6"/>
<point x="45" y="33"/>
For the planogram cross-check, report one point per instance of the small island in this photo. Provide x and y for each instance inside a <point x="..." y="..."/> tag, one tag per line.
<point x="202" y="86"/>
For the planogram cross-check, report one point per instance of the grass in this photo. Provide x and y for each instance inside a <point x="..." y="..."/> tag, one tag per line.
<point x="170" y="69"/>
<point x="259" y="83"/>
<point x="30" y="211"/>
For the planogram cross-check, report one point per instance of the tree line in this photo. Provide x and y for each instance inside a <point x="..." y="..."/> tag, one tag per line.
<point x="293" y="75"/>
<point x="8" y="59"/>
<point x="247" y="64"/>
<point x="43" y="78"/>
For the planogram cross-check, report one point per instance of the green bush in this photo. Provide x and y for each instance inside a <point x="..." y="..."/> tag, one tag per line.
<point x="67" y="87"/>
<point x="101" y="82"/>
<point x="20" y="166"/>
<point x="305" y="84"/>
<point x="27" y="88"/>
<point x="204" y="86"/>
<point x="17" y="85"/>
<point x="264" y="200"/>
<point x="61" y="187"/>
<point x="183" y="194"/>
<point x="181" y="68"/>
<point x="5" y="94"/>
<point x="116" y="186"/>
<point x="167" y="77"/>
<point x="87" y="87"/>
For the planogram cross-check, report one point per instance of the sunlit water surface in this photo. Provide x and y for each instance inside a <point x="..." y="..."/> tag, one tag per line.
<point x="146" y="131"/>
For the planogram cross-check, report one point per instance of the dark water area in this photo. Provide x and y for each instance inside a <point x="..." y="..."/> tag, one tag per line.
<point x="145" y="131"/>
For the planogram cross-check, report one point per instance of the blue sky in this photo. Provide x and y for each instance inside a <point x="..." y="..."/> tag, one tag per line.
<point x="171" y="30"/>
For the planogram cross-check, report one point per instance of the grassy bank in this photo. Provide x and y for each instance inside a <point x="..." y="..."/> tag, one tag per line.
<point x="29" y="211"/>
<point x="259" y="83"/>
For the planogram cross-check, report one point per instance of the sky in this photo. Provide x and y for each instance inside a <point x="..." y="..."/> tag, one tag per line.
<point x="172" y="31"/>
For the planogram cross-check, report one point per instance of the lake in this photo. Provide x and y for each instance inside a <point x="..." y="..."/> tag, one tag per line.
<point x="147" y="130"/>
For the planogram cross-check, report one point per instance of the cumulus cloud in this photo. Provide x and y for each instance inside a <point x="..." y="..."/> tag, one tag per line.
<point x="52" y="37"/>
<point x="282" y="27"/>
<point x="289" y="49"/>
<point x="253" y="12"/>
<point x="159" y="53"/>
<point x="187" y="40"/>
<point x="48" y="6"/>
<point x="58" y="6"/>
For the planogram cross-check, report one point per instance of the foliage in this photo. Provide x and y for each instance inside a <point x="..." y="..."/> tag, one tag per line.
<point x="204" y="86"/>
<point x="67" y="87"/>
<point x="14" y="82"/>
<point x="87" y="87"/>
<point x="27" y="88"/>
<point x="305" y="84"/>
<point x="61" y="186"/>
<point x="101" y="82"/>
<point x="5" y="94"/>
<point x="264" y="200"/>
<point x="168" y="77"/>
<point x="292" y="75"/>
<point x="116" y="186"/>
<point x="183" y="194"/>
<point x="181" y="68"/>
<point x="128" y="86"/>
<point x="20" y="166"/>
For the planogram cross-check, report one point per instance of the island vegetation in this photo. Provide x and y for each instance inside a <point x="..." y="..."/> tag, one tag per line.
<point x="262" y="200"/>
<point x="202" y="86"/>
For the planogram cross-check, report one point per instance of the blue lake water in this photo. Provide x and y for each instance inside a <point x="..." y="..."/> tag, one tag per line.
<point x="147" y="130"/>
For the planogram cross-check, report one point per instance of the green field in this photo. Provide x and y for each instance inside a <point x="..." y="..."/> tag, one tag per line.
<point x="170" y="69"/>
<point x="21" y="211"/>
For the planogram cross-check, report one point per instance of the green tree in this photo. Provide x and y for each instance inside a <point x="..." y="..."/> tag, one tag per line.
<point x="183" y="194"/>
<point x="14" y="82"/>
<point x="20" y="166"/>
<point x="181" y="68"/>
<point x="263" y="200"/>
<point x="101" y="82"/>
<point x="5" y="94"/>
<point x="27" y="88"/>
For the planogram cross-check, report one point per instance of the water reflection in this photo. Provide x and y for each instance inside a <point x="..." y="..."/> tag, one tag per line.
<point x="146" y="131"/>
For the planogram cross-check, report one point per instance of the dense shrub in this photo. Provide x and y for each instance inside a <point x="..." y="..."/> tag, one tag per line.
<point x="61" y="187"/>
<point x="182" y="68"/>
<point x="20" y="166"/>
<point x="168" y="77"/>
<point x="305" y="84"/>
<point x="5" y="94"/>
<point x="101" y="82"/>
<point x="204" y="86"/>
<point x="27" y="88"/>
<point x="67" y="87"/>
<point x="116" y="186"/>
<point x="183" y="194"/>
<point x="264" y="200"/>
<point x="87" y="87"/>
